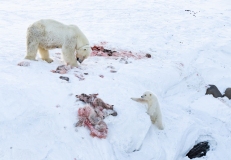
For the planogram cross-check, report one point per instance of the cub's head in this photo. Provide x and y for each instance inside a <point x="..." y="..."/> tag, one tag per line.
<point x="83" y="53"/>
<point x="147" y="95"/>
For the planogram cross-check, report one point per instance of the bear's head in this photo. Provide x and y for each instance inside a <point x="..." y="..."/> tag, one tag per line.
<point x="147" y="95"/>
<point x="83" y="53"/>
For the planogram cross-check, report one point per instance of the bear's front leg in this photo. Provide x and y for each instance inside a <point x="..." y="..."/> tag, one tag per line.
<point x="141" y="100"/>
<point x="69" y="56"/>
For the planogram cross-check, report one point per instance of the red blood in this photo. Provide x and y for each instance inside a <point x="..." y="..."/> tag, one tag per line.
<point x="99" y="50"/>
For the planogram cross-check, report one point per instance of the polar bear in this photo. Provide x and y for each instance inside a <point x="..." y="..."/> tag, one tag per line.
<point x="153" y="108"/>
<point x="47" y="34"/>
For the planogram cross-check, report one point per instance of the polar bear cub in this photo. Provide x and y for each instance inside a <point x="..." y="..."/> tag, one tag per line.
<point x="47" y="34"/>
<point x="153" y="108"/>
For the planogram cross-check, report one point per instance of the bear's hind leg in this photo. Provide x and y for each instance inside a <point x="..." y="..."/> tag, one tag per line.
<point x="31" y="51"/>
<point x="45" y="55"/>
<point x="159" y="123"/>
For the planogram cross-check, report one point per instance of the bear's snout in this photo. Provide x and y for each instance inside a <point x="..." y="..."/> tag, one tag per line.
<point x="79" y="60"/>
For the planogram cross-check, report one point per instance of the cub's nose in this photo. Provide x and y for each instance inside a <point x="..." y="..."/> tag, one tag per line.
<point x="77" y="59"/>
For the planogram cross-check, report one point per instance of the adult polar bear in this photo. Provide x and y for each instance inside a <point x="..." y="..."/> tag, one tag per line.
<point x="47" y="34"/>
<point x="153" y="108"/>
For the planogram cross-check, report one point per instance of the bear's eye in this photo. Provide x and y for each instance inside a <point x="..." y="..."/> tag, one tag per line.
<point x="145" y="95"/>
<point x="85" y="49"/>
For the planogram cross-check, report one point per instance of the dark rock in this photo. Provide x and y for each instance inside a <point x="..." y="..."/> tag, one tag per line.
<point x="114" y="114"/>
<point x="214" y="91"/>
<point x="64" y="78"/>
<point x="228" y="93"/>
<point x="199" y="150"/>
<point x="148" y="55"/>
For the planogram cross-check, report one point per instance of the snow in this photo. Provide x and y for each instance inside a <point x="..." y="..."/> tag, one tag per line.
<point x="190" y="49"/>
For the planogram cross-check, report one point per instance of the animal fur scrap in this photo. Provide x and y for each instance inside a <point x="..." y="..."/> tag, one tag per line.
<point x="92" y="115"/>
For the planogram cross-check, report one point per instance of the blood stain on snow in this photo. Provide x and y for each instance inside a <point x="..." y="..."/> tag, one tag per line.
<point x="99" y="50"/>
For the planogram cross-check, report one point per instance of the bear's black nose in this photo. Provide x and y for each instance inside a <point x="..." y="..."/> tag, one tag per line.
<point x="141" y="96"/>
<point x="77" y="59"/>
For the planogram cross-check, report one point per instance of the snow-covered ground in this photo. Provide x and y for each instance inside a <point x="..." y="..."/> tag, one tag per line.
<point x="190" y="44"/>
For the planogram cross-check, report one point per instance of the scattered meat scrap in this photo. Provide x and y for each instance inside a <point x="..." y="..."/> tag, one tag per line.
<point x="111" y="67"/>
<point x="93" y="114"/>
<point x="81" y="78"/>
<point x="61" y="69"/>
<point x="24" y="63"/>
<point x="113" y="71"/>
<point x="101" y="76"/>
<point x="64" y="78"/>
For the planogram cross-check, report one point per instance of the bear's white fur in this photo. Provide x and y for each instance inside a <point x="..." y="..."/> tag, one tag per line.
<point x="153" y="108"/>
<point x="47" y="34"/>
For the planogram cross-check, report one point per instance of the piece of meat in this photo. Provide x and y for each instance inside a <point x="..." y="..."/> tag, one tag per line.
<point x="24" y="63"/>
<point x="81" y="77"/>
<point x="63" y="69"/>
<point x="100" y="130"/>
<point x="64" y="78"/>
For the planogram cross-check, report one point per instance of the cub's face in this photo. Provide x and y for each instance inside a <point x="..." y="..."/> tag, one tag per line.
<point x="83" y="53"/>
<point x="147" y="95"/>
